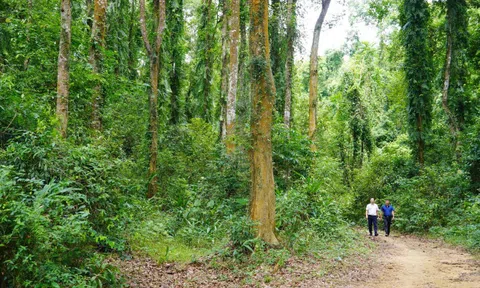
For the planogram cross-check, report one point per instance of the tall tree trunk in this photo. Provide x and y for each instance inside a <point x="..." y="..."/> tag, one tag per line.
<point x="154" y="57"/>
<point x="291" y="30"/>
<point x="131" y="53"/>
<point x="454" y="68"/>
<point x="446" y="86"/>
<point x="175" y="24"/>
<point x="234" y="26"/>
<point x="313" y="81"/>
<point x="95" y="58"/>
<point x="243" y="91"/>
<point x="262" y="202"/>
<point x="63" y="76"/>
<point x="414" y="16"/>
<point x="207" y="80"/>
<point x="225" y="67"/>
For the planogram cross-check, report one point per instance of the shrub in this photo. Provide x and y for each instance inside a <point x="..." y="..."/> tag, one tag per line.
<point x="59" y="203"/>
<point x="46" y="236"/>
<point x="308" y="207"/>
<point x="291" y="154"/>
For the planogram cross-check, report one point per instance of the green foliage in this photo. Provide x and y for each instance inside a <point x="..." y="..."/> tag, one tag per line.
<point x="202" y="94"/>
<point x="414" y="18"/>
<point x="194" y="166"/>
<point x="437" y="200"/>
<point x="310" y="208"/>
<point x="46" y="235"/>
<point x="64" y="203"/>
<point x="291" y="154"/>
<point x="59" y="203"/>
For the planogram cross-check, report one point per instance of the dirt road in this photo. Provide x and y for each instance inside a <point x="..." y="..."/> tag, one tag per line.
<point x="396" y="262"/>
<point x="413" y="262"/>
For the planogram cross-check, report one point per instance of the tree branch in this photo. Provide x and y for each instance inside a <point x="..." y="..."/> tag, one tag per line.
<point x="161" y="25"/>
<point x="143" y="27"/>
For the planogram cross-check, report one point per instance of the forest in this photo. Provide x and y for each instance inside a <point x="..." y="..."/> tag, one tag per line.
<point x="201" y="143"/>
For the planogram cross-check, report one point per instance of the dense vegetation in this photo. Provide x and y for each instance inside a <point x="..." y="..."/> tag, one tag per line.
<point x="130" y="146"/>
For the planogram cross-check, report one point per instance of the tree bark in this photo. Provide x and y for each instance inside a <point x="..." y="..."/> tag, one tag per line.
<point x="225" y="67"/>
<point x="291" y="27"/>
<point x="63" y="76"/>
<point x="234" y="26"/>
<point x="262" y="202"/>
<point x="131" y="53"/>
<point x="313" y="81"/>
<point x="209" y="62"/>
<point x="446" y="86"/>
<point x="176" y="21"/>
<point x="243" y="90"/>
<point x="154" y="57"/>
<point x="95" y="57"/>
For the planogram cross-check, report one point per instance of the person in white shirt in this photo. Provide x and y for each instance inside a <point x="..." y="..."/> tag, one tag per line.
<point x="371" y="213"/>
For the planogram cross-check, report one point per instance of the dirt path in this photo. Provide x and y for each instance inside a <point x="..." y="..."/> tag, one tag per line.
<point x="396" y="262"/>
<point x="414" y="262"/>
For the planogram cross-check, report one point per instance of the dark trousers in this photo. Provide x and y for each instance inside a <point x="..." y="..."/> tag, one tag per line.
<point x="387" y="221"/>
<point x="372" y="220"/>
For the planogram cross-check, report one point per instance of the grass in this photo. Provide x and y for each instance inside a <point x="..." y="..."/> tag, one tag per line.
<point x="167" y="249"/>
<point x="150" y="237"/>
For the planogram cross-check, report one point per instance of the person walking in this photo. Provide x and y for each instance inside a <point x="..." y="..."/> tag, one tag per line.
<point x="388" y="215"/>
<point x="371" y="213"/>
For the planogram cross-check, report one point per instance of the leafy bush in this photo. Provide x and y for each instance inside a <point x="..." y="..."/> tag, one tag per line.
<point x="381" y="177"/>
<point x="194" y="166"/>
<point x="59" y="203"/>
<point x="291" y="154"/>
<point x="308" y="207"/>
<point x="46" y="235"/>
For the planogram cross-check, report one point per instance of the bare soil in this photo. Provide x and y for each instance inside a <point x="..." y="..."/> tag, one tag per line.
<point x="397" y="261"/>
<point x="407" y="261"/>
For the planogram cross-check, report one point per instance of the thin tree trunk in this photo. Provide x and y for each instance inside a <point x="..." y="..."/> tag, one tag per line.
<point x="291" y="27"/>
<point x="446" y="86"/>
<point x="131" y="34"/>
<point x="154" y="57"/>
<point x="96" y="55"/>
<point x="243" y="95"/>
<point x="207" y="80"/>
<point x="63" y="77"/>
<point x="262" y="202"/>
<point x="225" y="68"/>
<point x="313" y="81"/>
<point x="234" y="23"/>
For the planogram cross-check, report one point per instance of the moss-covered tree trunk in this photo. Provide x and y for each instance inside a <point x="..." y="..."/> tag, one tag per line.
<point x="226" y="10"/>
<point x="454" y="76"/>
<point x="63" y="77"/>
<point x="97" y="46"/>
<point x="262" y="202"/>
<point x="153" y="53"/>
<point x="291" y="30"/>
<point x="243" y="91"/>
<point x="313" y="80"/>
<point x="176" y="25"/>
<point x="415" y="17"/>
<point x="234" y="27"/>
<point x="131" y="43"/>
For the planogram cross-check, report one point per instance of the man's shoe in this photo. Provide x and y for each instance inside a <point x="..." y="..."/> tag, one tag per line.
<point x="376" y="235"/>
<point x="386" y="235"/>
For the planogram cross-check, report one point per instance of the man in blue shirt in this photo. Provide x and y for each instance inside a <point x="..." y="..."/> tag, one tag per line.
<point x="388" y="215"/>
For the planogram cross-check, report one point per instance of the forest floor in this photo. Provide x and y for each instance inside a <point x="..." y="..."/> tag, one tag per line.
<point x="395" y="261"/>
